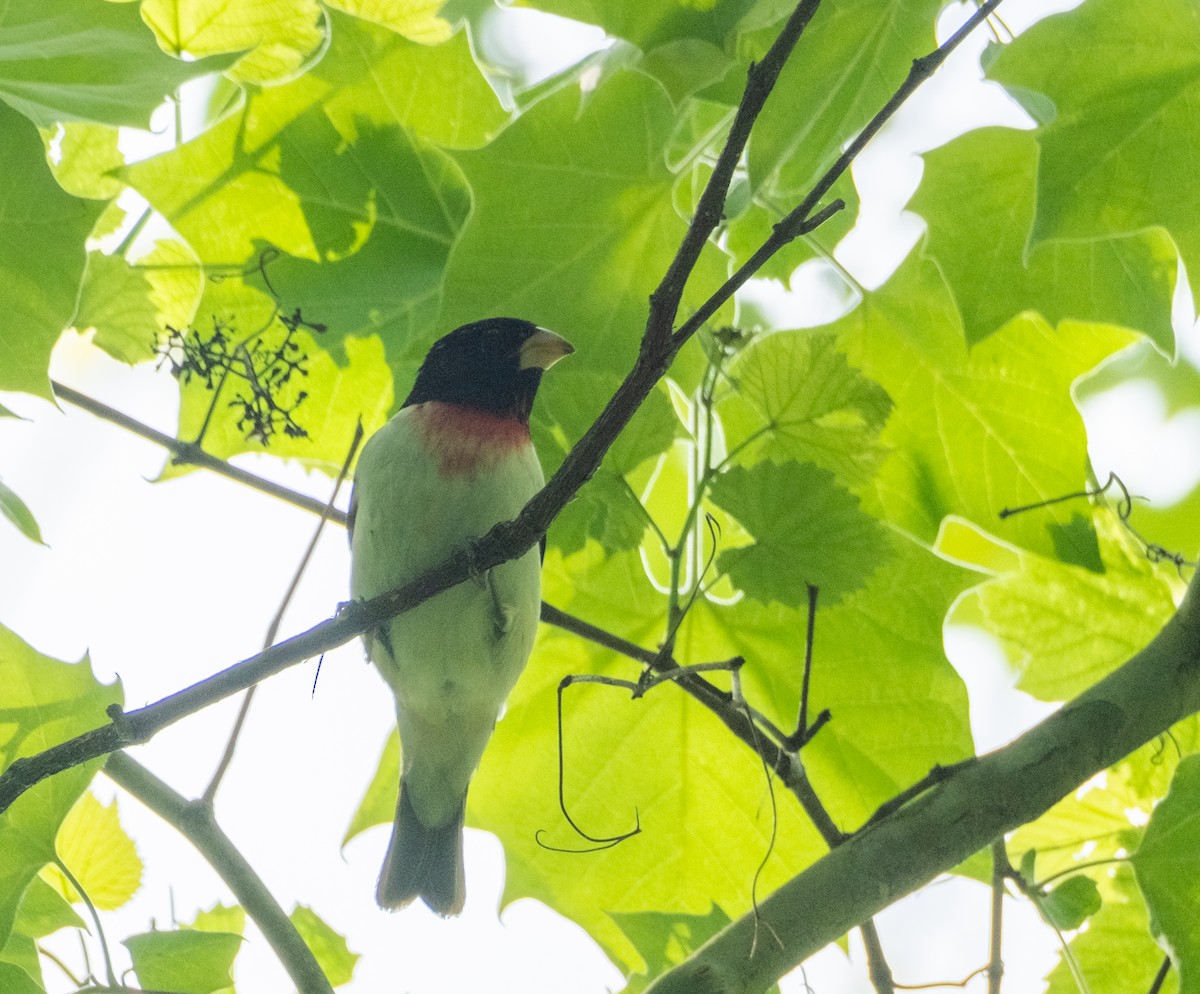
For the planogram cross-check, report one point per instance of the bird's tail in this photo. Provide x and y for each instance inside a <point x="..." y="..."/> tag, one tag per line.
<point x="423" y="862"/>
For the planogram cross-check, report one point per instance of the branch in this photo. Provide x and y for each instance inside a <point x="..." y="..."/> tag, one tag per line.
<point x="505" y="541"/>
<point x="1010" y="787"/>
<point x="191" y="454"/>
<point x="196" y="823"/>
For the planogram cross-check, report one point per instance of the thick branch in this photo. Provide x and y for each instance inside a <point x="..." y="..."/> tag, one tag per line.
<point x="196" y="822"/>
<point x="938" y="830"/>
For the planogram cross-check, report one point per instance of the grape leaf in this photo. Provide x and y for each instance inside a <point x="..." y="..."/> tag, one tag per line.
<point x="807" y="529"/>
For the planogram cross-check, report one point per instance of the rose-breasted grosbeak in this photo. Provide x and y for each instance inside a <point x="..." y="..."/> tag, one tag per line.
<point x="455" y="460"/>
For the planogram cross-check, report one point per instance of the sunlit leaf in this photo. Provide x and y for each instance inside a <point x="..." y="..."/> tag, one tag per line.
<point x="1111" y="160"/>
<point x="978" y="200"/>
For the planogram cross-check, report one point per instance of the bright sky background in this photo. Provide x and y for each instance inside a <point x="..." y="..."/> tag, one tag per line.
<point x="165" y="583"/>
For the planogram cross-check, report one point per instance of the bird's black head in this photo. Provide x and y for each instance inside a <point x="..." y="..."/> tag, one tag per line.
<point x="493" y="365"/>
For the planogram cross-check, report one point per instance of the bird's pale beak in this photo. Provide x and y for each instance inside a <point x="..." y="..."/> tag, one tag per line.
<point x="543" y="349"/>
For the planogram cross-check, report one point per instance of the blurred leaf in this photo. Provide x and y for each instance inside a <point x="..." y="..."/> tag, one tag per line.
<point x="1066" y="626"/>
<point x="977" y="197"/>
<point x="262" y="40"/>
<point x="44" y="911"/>
<point x="414" y="19"/>
<point x="15" y="980"/>
<point x="807" y="530"/>
<point x="42" y="231"/>
<point x="329" y="947"/>
<point x="665" y="940"/>
<point x="87" y="156"/>
<point x="1115" y="951"/>
<point x="380" y="77"/>
<point x="99" y="854"/>
<point x="648" y="25"/>
<point x="1071" y="903"/>
<point x="378" y="805"/>
<point x="15" y="509"/>
<point x="1168" y="871"/>
<point x="221" y="918"/>
<point x="115" y="302"/>
<point x="184" y="962"/>
<point x="45" y="702"/>
<point x="77" y="60"/>
<point x="1111" y="161"/>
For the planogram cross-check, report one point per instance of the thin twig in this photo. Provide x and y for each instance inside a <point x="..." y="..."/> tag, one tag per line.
<point x="1160" y="978"/>
<point x="87" y="901"/>
<point x="210" y="791"/>
<point x="934" y="984"/>
<point x="190" y="454"/>
<point x="877" y="965"/>
<point x="195" y="822"/>
<point x="1000" y="866"/>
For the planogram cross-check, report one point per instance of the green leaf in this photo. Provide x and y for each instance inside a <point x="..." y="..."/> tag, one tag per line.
<point x="898" y="707"/>
<point x="648" y="25"/>
<point x="186" y="962"/>
<point x="15" y="509"/>
<point x="221" y="918"/>
<point x="263" y="40"/>
<point x="704" y="808"/>
<point x="1071" y="903"/>
<point x="572" y="224"/>
<point x="99" y="854"/>
<point x="850" y="59"/>
<point x="44" y="911"/>
<point x="45" y="702"/>
<point x="115" y="303"/>
<point x="337" y="395"/>
<point x="977" y="197"/>
<point x="76" y="60"/>
<point x="1065" y="626"/>
<point x="382" y="78"/>
<point x="1111" y="161"/>
<point x="88" y="155"/>
<point x="378" y="805"/>
<point x="394" y="199"/>
<point x="329" y="947"/>
<point x="1168" y="871"/>
<point x="663" y="940"/>
<point x="15" y="980"/>
<point x="798" y="397"/>
<point x="749" y="230"/>
<point x="414" y="19"/>
<point x="977" y="428"/>
<point x="807" y="529"/>
<point x="1115" y="951"/>
<point x="42" y="231"/>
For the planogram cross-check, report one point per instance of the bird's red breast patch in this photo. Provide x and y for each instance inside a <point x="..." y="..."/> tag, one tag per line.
<point x="465" y="440"/>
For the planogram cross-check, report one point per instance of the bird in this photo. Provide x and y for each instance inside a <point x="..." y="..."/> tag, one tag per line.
<point x="455" y="460"/>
